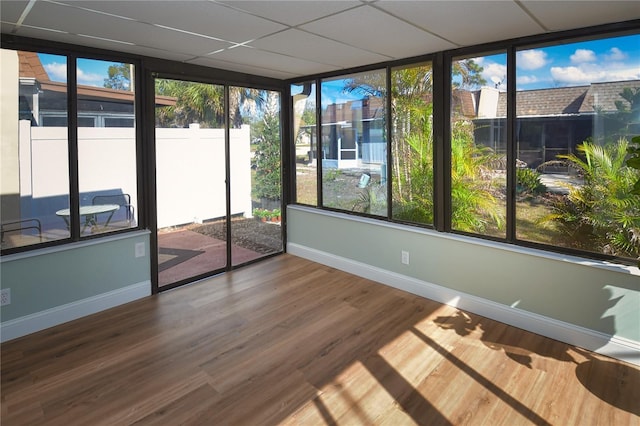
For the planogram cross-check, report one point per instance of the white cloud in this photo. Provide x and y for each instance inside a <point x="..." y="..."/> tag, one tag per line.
<point x="90" y="79"/>
<point x="56" y="71"/>
<point x="574" y="75"/>
<point x="527" y="79"/>
<point x="591" y="73"/>
<point x="616" y="54"/>
<point x="531" y="59"/>
<point x="583" y="55"/>
<point x="494" y="71"/>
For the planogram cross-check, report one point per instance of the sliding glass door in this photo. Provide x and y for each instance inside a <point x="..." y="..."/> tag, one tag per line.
<point x="255" y="158"/>
<point x="218" y="194"/>
<point x="190" y="180"/>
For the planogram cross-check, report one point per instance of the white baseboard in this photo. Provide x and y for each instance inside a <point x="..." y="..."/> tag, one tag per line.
<point x="595" y="341"/>
<point x="28" y="324"/>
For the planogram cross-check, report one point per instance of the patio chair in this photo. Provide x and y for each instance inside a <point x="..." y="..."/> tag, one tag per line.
<point x="19" y="226"/>
<point x="123" y="200"/>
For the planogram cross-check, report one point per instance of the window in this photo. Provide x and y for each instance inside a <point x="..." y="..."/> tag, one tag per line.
<point x="412" y="143"/>
<point x="544" y="166"/>
<point x="577" y="108"/>
<point x="37" y="183"/>
<point x="35" y="159"/>
<point x="305" y="142"/>
<point x="478" y="145"/>
<point x="106" y="155"/>
<point x="353" y="147"/>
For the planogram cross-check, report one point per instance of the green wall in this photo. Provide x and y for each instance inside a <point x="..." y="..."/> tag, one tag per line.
<point x="591" y="294"/>
<point x="49" y="278"/>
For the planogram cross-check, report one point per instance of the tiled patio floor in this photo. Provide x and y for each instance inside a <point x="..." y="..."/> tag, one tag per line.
<point x="185" y="254"/>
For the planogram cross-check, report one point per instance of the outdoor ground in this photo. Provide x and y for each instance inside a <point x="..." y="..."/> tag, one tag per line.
<point x="252" y="234"/>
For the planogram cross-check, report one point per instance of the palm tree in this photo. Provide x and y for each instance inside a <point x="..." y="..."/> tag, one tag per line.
<point x="602" y="214"/>
<point x="195" y="103"/>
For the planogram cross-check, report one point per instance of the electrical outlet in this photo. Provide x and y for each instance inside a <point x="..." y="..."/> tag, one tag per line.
<point x="139" y="250"/>
<point x="405" y="257"/>
<point x="5" y="296"/>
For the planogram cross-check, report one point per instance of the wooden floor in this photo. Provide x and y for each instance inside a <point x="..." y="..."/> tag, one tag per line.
<point x="287" y="341"/>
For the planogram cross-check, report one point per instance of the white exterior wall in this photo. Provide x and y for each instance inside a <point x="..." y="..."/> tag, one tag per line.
<point x="186" y="158"/>
<point x="9" y="160"/>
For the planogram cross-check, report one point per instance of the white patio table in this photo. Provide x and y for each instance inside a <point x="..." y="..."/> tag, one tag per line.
<point x="90" y="214"/>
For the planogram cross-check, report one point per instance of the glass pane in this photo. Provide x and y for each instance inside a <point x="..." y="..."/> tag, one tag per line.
<point x="577" y="109"/>
<point x="412" y="143"/>
<point x="305" y="142"/>
<point x="106" y="154"/>
<point x="190" y="180"/>
<point x="478" y="145"/>
<point x="255" y="158"/>
<point x="34" y="158"/>
<point x="354" y="143"/>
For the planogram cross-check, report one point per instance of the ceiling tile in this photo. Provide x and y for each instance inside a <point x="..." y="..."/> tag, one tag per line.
<point x="290" y="12"/>
<point x="582" y="13"/>
<point x="80" y="21"/>
<point x="276" y="61"/>
<point x="10" y="11"/>
<point x="371" y="29"/>
<point x="62" y="37"/>
<point x="201" y="17"/>
<point x="329" y="35"/>
<point x="314" y="48"/>
<point x="465" y="22"/>
<point x="248" y="69"/>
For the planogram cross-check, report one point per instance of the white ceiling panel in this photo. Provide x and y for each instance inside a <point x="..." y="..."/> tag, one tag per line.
<point x="270" y="60"/>
<point x="292" y="12"/>
<point x="101" y="26"/>
<point x="566" y="15"/>
<point x="293" y="38"/>
<point x="466" y="22"/>
<point x="370" y="29"/>
<point x="10" y="11"/>
<point x="200" y="17"/>
<point x="142" y="50"/>
<point x="314" y="48"/>
<point x="233" y="66"/>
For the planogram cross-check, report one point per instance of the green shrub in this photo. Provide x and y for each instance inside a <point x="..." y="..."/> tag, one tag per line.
<point x="602" y="213"/>
<point x="528" y="181"/>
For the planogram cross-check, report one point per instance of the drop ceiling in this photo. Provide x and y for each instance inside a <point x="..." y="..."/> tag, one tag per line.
<point x="288" y="39"/>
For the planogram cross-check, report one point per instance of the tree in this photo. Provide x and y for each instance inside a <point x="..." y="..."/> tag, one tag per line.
<point x="195" y="103"/>
<point x="244" y="101"/>
<point x="602" y="214"/>
<point x="469" y="72"/>
<point x="266" y="159"/>
<point x="119" y="77"/>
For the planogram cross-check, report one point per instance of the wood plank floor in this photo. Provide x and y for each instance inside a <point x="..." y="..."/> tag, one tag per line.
<point x="291" y="342"/>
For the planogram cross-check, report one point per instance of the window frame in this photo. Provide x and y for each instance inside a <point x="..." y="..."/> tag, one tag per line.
<point x="442" y="84"/>
<point x="72" y="55"/>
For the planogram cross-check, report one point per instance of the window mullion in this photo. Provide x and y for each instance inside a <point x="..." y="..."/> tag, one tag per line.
<point x="319" y="201"/>
<point x="511" y="144"/>
<point x="442" y="143"/>
<point x="72" y="127"/>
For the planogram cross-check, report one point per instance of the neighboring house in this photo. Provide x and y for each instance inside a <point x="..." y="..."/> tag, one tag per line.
<point x="352" y="133"/>
<point x="44" y="102"/>
<point x="550" y="121"/>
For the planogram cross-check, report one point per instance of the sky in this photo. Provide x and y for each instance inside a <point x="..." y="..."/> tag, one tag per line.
<point x="574" y="64"/>
<point x="91" y="72"/>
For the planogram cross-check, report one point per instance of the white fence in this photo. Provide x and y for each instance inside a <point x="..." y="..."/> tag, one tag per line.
<point x="190" y="170"/>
